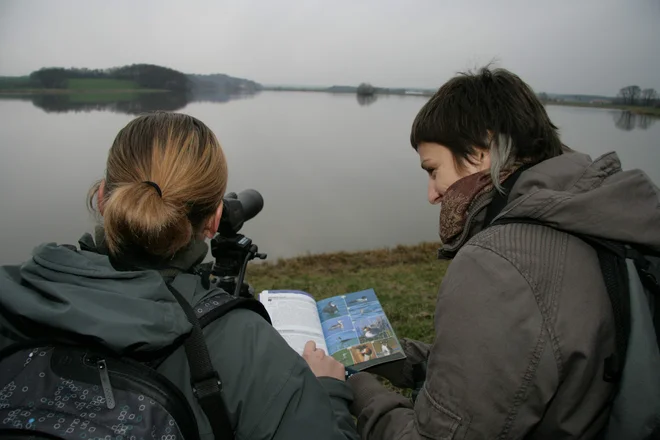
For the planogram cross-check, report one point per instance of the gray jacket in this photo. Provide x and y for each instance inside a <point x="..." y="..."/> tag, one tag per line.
<point x="523" y="323"/>
<point x="269" y="390"/>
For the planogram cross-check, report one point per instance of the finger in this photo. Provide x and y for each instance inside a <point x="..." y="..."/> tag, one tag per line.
<point x="310" y="346"/>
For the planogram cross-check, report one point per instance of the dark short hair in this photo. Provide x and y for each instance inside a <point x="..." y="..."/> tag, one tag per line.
<point x="462" y="112"/>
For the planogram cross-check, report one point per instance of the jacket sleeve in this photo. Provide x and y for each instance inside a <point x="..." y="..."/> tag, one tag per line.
<point x="271" y="390"/>
<point x="310" y="407"/>
<point x="400" y="374"/>
<point x="491" y="369"/>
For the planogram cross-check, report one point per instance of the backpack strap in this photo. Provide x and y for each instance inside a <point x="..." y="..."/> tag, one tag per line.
<point x="500" y="200"/>
<point x="209" y="310"/>
<point x="206" y="382"/>
<point x="615" y="275"/>
<point x="218" y="305"/>
<point x="649" y="275"/>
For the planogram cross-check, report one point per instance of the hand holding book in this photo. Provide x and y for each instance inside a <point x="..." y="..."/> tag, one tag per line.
<point x="321" y="364"/>
<point x="352" y="328"/>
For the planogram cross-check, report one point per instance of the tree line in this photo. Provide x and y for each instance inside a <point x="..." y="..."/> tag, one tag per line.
<point x="145" y="75"/>
<point x="635" y="95"/>
<point x="629" y="95"/>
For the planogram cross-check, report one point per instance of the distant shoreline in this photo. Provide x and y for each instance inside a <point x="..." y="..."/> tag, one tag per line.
<point x="379" y="91"/>
<point x="638" y="110"/>
<point x="76" y="91"/>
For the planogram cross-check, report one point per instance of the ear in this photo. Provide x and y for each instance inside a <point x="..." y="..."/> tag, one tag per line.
<point x="484" y="160"/>
<point x="100" y="197"/>
<point x="212" y="225"/>
<point x="480" y="160"/>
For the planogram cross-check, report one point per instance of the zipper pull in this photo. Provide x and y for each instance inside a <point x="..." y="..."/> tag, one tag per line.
<point x="105" y="384"/>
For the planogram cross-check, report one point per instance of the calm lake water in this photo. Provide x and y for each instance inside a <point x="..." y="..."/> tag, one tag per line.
<point x="336" y="174"/>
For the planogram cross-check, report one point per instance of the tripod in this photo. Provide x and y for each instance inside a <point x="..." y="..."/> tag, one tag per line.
<point x="232" y="255"/>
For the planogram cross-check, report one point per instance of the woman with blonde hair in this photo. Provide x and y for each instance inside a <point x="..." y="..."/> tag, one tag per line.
<point x="160" y="198"/>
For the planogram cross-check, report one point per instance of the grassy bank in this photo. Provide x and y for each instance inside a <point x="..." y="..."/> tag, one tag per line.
<point x="23" y="86"/>
<point x="405" y="278"/>
<point x="101" y="84"/>
<point x="109" y="92"/>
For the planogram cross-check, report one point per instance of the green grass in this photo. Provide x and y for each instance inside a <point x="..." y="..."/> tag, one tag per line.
<point x="15" y="82"/>
<point x="99" y="97"/>
<point x="101" y="84"/>
<point x="105" y="89"/>
<point x="405" y="279"/>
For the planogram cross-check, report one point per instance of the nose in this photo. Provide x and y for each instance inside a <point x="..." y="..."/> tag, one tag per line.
<point x="433" y="195"/>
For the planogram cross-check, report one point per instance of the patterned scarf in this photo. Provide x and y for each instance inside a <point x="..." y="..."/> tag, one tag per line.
<point x="459" y="198"/>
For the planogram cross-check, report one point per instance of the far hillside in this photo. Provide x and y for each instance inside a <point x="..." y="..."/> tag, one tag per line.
<point x="219" y="82"/>
<point x="17" y="83"/>
<point x="133" y="78"/>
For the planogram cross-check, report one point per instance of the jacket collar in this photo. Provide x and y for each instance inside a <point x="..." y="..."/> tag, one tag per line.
<point x="183" y="261"/>
<point x="576" y="194"/>
<point x="474" y="224"/>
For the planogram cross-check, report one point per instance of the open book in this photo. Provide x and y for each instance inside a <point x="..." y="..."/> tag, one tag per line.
<point x="352" y="328"/>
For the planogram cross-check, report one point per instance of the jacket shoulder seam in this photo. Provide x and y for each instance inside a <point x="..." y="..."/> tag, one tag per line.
<point x="535" y="358"/>
<point x="548" y="317"/>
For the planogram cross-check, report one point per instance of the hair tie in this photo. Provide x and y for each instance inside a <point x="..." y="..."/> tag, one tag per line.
<point x="160" y="193"/>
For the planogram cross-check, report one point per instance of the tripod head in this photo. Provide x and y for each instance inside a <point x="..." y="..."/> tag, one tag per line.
<point x="233" y="251"/>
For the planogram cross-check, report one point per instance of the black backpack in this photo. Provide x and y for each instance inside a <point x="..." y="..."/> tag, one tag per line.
<point x="632" y="279"/>
<point x="73" y="391"/>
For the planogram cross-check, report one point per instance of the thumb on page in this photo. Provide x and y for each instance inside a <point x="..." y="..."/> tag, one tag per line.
<point x="322" y="365"/>
<point x="310" y="346"/>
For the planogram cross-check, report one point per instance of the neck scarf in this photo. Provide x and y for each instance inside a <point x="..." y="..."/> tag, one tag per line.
<point x="458" y="200"/>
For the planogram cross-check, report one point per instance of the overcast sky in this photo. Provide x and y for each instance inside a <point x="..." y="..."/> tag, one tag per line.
<point x="564" y="46"/>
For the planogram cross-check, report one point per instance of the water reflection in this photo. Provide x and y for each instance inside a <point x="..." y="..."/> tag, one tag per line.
<point x="628" y="121"/>
<point x="136" y="103"/>
<point x="221" y="96"/>
<point x="128" y="103"/>
<point x="366" y="99"/>
<point x="305" y="170"/>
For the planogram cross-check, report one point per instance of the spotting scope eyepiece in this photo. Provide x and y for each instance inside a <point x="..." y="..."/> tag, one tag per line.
<point x="237" y="209"/>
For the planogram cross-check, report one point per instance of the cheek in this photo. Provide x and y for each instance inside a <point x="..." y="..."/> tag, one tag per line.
<point x="446" y="178"/>
<point x="443" y="179"/>
<point x="439" y="185"/>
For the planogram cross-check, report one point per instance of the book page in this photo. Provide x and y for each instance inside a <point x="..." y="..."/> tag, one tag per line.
<point x="356" y="330"/>
<point x="295" y="317"/>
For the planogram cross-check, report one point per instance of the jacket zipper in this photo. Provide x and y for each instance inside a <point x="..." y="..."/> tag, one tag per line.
<point x="105" y="384"/>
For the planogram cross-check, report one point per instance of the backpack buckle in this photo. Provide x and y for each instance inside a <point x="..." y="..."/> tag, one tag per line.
<point x="643" y="266"/>
<point x="208" y="386"/>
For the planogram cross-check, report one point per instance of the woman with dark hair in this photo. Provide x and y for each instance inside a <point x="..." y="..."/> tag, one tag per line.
<point x="523" y="322"/>
<point x="160" y="198"/>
